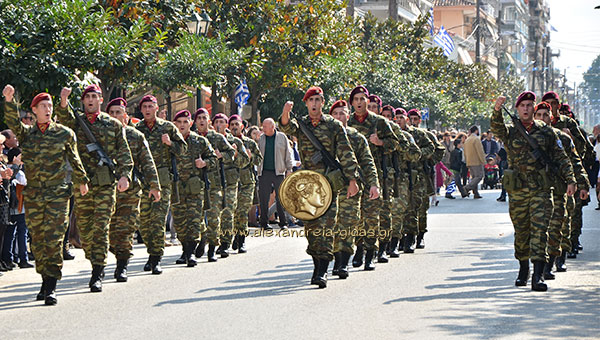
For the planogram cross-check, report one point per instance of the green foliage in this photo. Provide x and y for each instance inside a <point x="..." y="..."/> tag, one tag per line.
<point x="591" y="82"/>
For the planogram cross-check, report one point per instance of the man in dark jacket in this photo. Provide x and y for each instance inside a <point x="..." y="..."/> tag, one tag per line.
<point x="457" y="163"/>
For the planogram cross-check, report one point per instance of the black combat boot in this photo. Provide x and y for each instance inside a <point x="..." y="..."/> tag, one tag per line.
<point x="211" y="253"/>
<point x="242" y="244"/>
<point x="313" y="279"/>
<point x="369" y="265"/>
<point x="190" y="259"/>
<point x="155" y="264"/>
<point x="420" y="240"/>
<point x="181" y="259"/>
<point x="394" y="248"/>
<point x="537" y="281"/>
<point x="548" y="269"/>
<point x="50" y="293"/>
<point x="200" y="248"/>
<point x="381" y="257"/>
<point x="42" y="294"/>
<point x="578" y="246"/>
<point x="572" y="255"/>
<point x="560" y="262"/>
<point x="121" y="270"/>
<point x="321" y="278"/>
<point x="224" y="252"/>
<point x="523" y="273"/>
<point x="234" y="244"/>
<point x="337" y="262"/>
<point x="95" y="283"/>
<point x="148" y="265"/>
<point x="408" y="244"/>
<point x="67" y="254"/>
<point x="357" y="261"/>
<point x="343" y="270"/>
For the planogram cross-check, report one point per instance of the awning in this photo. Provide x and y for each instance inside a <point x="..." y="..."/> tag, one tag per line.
<point x="465" y="58"/>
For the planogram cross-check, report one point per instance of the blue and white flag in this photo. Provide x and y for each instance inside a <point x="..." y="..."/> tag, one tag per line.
<point x="242" y="94"/>
<point x="451" y="188"/>
<point x="430" y="21"/>
<point x="444" y="40"/>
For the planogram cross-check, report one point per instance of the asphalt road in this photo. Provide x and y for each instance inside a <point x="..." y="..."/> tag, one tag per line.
<point x="460" y="287"/>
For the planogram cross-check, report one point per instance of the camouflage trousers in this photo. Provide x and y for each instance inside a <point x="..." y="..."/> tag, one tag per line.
<point x="93" y="213"/>
<point x="228" y="213"/>
<point x="245" y="197"/>
<point x="124" y="223"/>
<point x="153" y="217"/>
<point x="385" y="215"/>
<point x="368" y="227"/>
<point x="411" y="218"/>
<point x="213" y="216"/>
<point x="47" y="219"/>
<point x="188" y="217"/>
<point x="347" y="222"/>
<point x="320" y="233"/>
<point x="530" y="211"/>
<point x="400" y="205"/>
<point x="577" y="217"/>
<point x="565" y="242"/>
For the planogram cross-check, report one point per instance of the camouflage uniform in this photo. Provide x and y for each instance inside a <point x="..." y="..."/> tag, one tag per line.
<point x="530" y="205"/>
<point x="348" y="219"/>
<point x="432" y="159"/>
<point x="232" y="179"/>
<point x="188" y="215"/>
<point x="332" y="135"/>
<point x="47" y="193"/>
<point x="153" y="214"/>
<point x="246" y="187"/>
<point x="371" y="209"/>
<point x="125" y="220"/>
<point x="94" y="210"/>
<point x="213" y="215"/>
<point x="559" y="228"/>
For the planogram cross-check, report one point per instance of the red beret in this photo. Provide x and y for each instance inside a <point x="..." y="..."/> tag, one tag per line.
<point x="527" y="95"/>
<point x="117" y="101"/>
<point x="91" y="88"/>
<point x="339" y="103"/>
<point x="37" y="99"/>
<point x="542" y="106"/>
<point x="182" y="114"/>
<point x="388" y="108"/>
<point x="234" y="117"/>
<point x="414" y="112"/>
<point x="401" y="112"/>
<point x="550" y="95"/>
<point x="313" y="91"/>
<point x="219" y="116"/>
<point x="199" y="112"/>
<point x="375" y="99"/>
<point x="565" y="107"/>
<point x="148" y="98"/>
<point x="357" y="90"/>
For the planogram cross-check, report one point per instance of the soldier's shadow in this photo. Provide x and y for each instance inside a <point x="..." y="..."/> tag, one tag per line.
<point x="284" y="279"/>
<point x="484" y="294"/>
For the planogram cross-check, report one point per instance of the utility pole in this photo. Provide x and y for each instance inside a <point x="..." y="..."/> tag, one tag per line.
<point x="543" y="74"/>
<point x="478" y="33"/>
<point x="350" y="8"/>
<point x="393" y="9"/>
<point x="535" y="65"/>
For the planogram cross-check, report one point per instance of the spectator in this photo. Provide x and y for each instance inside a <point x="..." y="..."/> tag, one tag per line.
<point x="296" y="162"/>
<point x="11" y="141"/>
<point x="464" y="172"/>
<point x="449" y="145"/>
<point x="456" y="165"/>
<point x="254" y="133"/>
<point x="5" y="174"/>
<point x="502" y="165"/>
<point x="26" y="118"/>
<point x="277" y="161"/>
<point x="475" y="159"/>
<point x="490" y="146"/>
<point x="595" y="177"/>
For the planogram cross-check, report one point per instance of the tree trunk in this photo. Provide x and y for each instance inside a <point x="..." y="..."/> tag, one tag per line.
<point x="232" y="105"/>
<point x="393" y="9"/>
<point x="213" y="99"/>
<point x="255" y="119"/>
<point x="168" y="98"/>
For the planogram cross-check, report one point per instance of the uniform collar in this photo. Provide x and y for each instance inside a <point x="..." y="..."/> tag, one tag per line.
<point x="43" y="127"/>
<point x="361" y="119"/>
<point x="91" y="117"/>
<point x="150" y="125"/>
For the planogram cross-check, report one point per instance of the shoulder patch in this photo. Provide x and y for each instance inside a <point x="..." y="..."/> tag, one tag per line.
<point x="559" y="143"/>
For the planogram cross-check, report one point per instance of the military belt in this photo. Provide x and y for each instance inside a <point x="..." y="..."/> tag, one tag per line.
<point x="46" y="184"/>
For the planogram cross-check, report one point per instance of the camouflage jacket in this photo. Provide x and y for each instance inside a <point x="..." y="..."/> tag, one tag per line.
<point x="377" y="124"/>
<point x="566" y="122"/>
<point x="198" y="147"/>
<point x="579" y="171"/>
<point x="219" y="142"/>
<point x="255" y="159"/>
<point x="424" y="143"/>
<point x="332" y="135"/>
<point x="363" y="155"/>
<point x="142" y="160"/>
<point x="518" y="149"/>
<point x="439" y="151"/>
<point x="45" y="154"/>
<point x="241" y="158"/>
<point x="109" y="133"/>
<point x="409" y="153"/>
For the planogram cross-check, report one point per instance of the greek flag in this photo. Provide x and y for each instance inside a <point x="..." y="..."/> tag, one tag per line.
<point x="242" y="94"/>
<point x="451" y="188"/>
<point x="444" y="40"/>
<point x="430" y="21"/>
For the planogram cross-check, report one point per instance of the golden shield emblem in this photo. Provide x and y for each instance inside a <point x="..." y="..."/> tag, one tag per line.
<point x="305" y="194"/>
